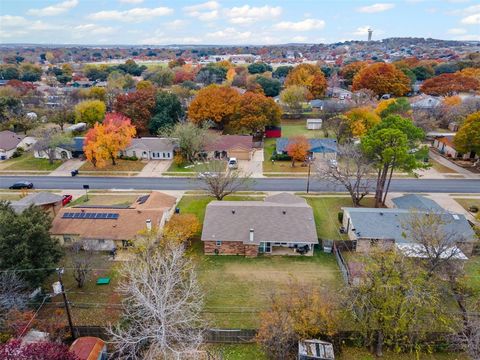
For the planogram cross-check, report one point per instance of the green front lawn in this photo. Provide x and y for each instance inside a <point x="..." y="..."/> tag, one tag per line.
<point x="105" y="200"/>
<point x="278" y="166"/>
<point x="325" y="211"/>
<point x="121" y="165"/>
<point x="29" y="163"/>
<point x="198" y="167"/>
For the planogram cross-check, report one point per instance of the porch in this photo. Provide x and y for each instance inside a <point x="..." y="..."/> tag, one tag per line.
<point x="285" y="249"/>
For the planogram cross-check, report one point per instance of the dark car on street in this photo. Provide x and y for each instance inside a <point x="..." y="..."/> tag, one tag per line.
<point x="22" y="185"/>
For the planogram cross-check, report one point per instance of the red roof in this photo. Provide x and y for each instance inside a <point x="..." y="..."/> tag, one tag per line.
<point x="447" y="140"/>
<point x="87" y="347"/>
<point x="228" y="142"/>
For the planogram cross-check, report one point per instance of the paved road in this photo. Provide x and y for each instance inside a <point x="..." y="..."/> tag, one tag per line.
<point x="266" y="184"/>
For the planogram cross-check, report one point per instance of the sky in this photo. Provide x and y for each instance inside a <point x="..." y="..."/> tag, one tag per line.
<point x="233" y="22"/>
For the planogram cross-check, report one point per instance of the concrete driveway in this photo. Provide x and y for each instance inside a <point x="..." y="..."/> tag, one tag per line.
<point x="155" y="168"/>
<point x="66" y="168"/>
<point x="254" y="167"/>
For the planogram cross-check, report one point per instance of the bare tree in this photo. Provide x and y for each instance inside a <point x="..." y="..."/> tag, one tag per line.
<point x="351" y="172"/>
<point x="13" y="292"/>
<point x="433" y="240"/>
<point x="81" y="264"/>
<point x="49" y="139"/>
<point x="220" y="182"/>
<point x="162" y="306"/>
<point x="339" y="127"/>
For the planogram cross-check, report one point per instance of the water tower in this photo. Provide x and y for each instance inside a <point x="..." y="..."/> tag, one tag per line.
<point x="370" y="32"/>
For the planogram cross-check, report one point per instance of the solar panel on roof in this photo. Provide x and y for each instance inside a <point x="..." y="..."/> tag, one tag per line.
<point x="97" y="216"/>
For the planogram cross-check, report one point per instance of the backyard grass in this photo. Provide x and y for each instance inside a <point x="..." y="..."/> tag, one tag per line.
<point x="237" y="288"/>
<point x="298" y="127"/>
<point x="237" y="351"/>
<point x="105" y="200"/>
<point x="473" y="271"/>
<point x="198" y="167"/>
<point x="29" y="163"/>
<point x="122" y="165"/>
<point x="325" y="211"/>
<point x="93" y="304"/>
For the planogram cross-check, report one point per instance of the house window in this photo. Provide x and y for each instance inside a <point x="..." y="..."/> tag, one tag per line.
<point x="164" y="156"/>
<point x="101" y="241"/>
<point x="218" y="243"/>
<point x="134" y="153"/>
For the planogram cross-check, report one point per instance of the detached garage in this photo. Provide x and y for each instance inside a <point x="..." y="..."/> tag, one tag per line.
<point x="314" y="124"/>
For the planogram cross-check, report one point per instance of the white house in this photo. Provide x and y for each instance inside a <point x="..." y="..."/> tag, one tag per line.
<point x="10" y="142"/>
<point x="151" y="148"/>
<point x="314" y="124"/>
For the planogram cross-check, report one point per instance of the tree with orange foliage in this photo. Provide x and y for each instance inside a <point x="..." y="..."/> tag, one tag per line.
<point x="298" y="149"/>
<point x="215" y="103"/>
<point x="310" y="76"/>
<point x="382" y="79"/>
<point x="471" y="72"/>
<point x="349" y="71"/>
<point x="106" y="140"/>
<point x="181" y="227"/>
<point x="138" y="106"/>
<point x="231" y="73"/>
<point x="449" y="84"/>
<point x="361" y="120"/>
<point x="254" y="112"/>
<point x="452" y="101"/>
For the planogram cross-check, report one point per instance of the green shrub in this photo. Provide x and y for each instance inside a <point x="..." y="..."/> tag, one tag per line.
<point x="281" y="157"/>
<point x="340" y="216"/>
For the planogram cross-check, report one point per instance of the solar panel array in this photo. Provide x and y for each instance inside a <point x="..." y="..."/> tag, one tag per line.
<point x="91" y="216"/>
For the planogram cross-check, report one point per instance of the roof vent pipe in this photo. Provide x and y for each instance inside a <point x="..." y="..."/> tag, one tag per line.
<point x="251" y="235"/>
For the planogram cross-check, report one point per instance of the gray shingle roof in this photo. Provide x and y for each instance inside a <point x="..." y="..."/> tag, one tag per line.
<point x="279" y="218"/>
<point x="9" y="140"/>
<point x="417" y="202"/>
<point x="324" y="145"/>
<point x="37" y="199"/>
<point x="153" y="144"/>
<point x="372" y="223"/>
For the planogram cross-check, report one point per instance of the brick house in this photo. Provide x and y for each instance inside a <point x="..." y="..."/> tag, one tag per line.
<point x="385" y="228"/>
<point x="445" y="145"/>
<point x="282" y="224"/>
<point x="227" y="146"/>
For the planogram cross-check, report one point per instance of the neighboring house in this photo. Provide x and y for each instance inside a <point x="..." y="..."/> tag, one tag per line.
<point x="340" y="93"/>
<point x="325" y="146"/>
<point x="445" y="145"/>
<point x="278" y="225"/>
<point x="103" y="228"/>
<point x="385" y="228"/>
<point x="314" y="124"/>
<point x="64" y="152"/>
<point x="49" y="202"/>
<point x="425" y="102"/>
<point x="317" y="104"/>
<point x="10" y="142"/>
<point x="227" y="146"/>
<point x="151" y="148"/>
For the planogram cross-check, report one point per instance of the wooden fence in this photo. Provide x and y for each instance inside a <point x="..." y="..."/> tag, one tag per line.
<point x="342" y="264"/>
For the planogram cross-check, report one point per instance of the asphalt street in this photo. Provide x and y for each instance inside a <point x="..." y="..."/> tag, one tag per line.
<point x="466" y="186"/>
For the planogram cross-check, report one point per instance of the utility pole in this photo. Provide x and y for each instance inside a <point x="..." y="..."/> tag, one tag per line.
<point x="67" y="307"/>
<point x="308" y="178"/>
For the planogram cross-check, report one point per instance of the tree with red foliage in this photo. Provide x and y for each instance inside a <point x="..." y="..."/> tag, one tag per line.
<point x="138" y="106"/>
<point x="182" y="75"/>
<point x="382" y="79"/>
<point x="298" y="149"/>
<point x="22" y="86"/>
<point x="449" y="84"/>
<point x="15" y="350"/>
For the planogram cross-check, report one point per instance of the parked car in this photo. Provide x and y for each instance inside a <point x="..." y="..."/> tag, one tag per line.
<point x="22" y="185"/>
<point x="333" y="163"/>
<point x="232" y="163"/>
<point x="66" y="199"/>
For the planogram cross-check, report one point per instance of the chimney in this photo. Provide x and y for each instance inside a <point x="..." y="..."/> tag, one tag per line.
<point x="149" y="224"/>
<point x="251" y="235"/>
